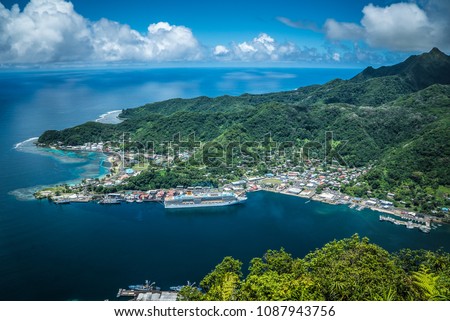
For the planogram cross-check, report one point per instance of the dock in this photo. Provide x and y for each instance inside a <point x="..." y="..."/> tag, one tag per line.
<point x="148" y="295"/>
<point x="408" y="224"/>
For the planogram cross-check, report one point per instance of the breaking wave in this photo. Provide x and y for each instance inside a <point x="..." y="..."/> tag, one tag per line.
<point x="111" y="117"/>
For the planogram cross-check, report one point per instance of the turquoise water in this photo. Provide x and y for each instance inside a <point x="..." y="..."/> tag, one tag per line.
<point x="88" y="251"/>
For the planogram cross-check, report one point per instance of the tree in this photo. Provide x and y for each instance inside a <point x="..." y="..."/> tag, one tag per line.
<point x="222" y="282"/>
<point x="354" y="269"/>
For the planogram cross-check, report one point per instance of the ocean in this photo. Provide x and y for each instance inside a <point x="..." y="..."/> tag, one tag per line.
<point x="88" y="251"/>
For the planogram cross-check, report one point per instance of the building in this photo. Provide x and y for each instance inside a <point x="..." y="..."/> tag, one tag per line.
<point x="294" y="190"/>
<point x="327" y="196"/>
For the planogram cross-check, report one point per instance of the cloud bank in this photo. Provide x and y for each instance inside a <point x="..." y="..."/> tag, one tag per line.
<point x="265" y="48"/>
<point x="52" y="31"/>
<point x="49" y="31"/>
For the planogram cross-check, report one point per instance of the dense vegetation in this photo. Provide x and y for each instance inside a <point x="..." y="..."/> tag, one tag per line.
<point x="349" y="269"/>
<point x="396" y="118"/>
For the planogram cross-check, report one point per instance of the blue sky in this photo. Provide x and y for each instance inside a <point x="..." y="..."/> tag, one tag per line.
<point x="283" y="32"/>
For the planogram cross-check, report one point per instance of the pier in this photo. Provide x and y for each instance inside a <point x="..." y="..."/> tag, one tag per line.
<point x="408" y="224"/>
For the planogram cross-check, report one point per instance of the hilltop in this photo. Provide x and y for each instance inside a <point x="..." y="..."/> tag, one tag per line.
<point x="418" y="72"/>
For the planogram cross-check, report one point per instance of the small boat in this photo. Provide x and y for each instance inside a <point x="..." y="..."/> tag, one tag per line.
<point x="62" y="201"/>
<point x="109" y="201"/>
<point x="147" y="286"/>
<point x="178" y="288"/>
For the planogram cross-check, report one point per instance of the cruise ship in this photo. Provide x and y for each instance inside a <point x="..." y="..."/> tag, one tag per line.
<point x="190" y="200"/>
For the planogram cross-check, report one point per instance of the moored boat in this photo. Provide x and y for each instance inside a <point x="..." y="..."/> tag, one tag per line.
<point x="109" y="201"/>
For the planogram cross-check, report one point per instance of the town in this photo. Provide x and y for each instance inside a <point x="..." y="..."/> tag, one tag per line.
<point x="312" y="181"/>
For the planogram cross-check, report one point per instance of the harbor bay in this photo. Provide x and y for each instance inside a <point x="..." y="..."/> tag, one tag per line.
<point x="86" y="251"/>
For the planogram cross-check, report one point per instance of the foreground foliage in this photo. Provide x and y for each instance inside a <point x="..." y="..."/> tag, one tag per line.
<point x="348" y="269"/>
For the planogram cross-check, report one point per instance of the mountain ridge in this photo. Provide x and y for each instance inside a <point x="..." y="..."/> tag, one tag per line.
<point x="420" y="71"/>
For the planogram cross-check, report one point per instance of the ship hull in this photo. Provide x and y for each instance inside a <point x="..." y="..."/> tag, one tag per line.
<point x="197" y="205"/>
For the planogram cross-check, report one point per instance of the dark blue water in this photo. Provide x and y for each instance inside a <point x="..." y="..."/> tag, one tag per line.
<point x="88" y="251"/>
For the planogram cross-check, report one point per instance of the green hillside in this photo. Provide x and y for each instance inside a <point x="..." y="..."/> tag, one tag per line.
<point x="395" y="118"/>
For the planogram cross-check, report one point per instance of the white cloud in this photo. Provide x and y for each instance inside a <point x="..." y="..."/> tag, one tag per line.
<point x="266" y="48"/>
<point x="398" y="27"/>
<point x="45" y="31"/>
<point x="51" y="31"/>
<point x="336" y="56"/>
<point x="260" y="48"/>
<point x="266" y="41"/>
<point x="158" y="27"/>
<point x="220" y="50"/>
<point x="246" y="48"/>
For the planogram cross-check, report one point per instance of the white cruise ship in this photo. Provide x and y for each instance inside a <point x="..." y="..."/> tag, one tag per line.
<point x="190" y="200"/>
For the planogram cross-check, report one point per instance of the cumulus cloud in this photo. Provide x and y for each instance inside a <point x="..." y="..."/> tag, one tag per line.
<point x="52" y="31"/>
<point x="399" y="27"/>
<point x="221" y="51"/>
<point x="265" y="48"/>
<point x="45" y="31"/>
<point x="260" y="48"/>
<point x="114" y="42"/>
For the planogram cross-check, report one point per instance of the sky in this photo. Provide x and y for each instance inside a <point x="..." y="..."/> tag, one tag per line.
<point x="320" y="33"/>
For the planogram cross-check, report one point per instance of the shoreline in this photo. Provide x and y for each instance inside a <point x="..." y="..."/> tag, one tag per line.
<point x="110" y="117"/>
<point x="336" y="198"/>
<point x="396" y="212"/>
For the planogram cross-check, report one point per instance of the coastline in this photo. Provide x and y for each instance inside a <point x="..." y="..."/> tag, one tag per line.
<point x="110" y="117"/>
<point x="342" y="199"/>
<point x="395" y="211"/>
<point x="79" y="194"/>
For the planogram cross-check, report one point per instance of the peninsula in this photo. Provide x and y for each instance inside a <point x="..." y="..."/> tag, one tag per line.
<point x="378" y="140"/>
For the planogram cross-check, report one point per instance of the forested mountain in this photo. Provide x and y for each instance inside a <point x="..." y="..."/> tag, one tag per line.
<point x="396" y="118"/>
